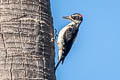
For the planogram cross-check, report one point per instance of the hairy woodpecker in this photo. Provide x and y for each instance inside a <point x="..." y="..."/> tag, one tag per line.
<point x="67" y="36"/>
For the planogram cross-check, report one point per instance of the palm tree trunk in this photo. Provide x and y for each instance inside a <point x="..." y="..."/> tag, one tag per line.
<point x="26" y="45"/>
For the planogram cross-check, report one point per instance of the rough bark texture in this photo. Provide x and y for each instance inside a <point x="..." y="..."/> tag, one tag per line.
<point x="26" y="45"/>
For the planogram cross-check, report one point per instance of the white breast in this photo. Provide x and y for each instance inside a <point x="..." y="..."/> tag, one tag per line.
<point x="60" y="40"/>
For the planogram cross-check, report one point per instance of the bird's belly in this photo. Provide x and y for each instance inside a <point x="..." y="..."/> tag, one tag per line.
<point x="60" y="41"/>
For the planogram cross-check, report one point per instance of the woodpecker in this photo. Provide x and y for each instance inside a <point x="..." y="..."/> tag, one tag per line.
<point x="67" y="36"/>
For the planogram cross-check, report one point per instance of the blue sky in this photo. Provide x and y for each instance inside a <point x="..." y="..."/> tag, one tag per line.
<point x="95" y="54"/>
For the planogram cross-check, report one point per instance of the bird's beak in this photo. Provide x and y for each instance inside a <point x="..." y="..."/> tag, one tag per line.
<point x="67" y="17"/>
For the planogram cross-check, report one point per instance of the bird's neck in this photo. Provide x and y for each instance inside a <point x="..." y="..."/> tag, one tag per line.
<point x="75" y="24"/>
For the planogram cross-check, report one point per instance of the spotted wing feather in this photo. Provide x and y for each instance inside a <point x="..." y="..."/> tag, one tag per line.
<point x="69" y="38"/>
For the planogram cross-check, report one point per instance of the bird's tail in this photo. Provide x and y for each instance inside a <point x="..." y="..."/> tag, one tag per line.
<point x="62" y="60"/>
<point x="57" y="64"/>
<point x="59" y="58"/>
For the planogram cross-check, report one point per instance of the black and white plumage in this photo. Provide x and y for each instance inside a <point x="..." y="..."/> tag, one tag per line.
<point x="67" y="36"/>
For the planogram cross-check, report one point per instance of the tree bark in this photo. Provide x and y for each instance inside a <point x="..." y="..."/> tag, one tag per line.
<point x="26" y="40"/>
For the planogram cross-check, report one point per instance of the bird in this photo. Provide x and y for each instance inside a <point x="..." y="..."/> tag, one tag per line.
<point x="67" y="36"/>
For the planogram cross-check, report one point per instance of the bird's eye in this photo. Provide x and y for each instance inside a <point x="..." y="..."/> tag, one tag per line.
<point x="75" y="17"/>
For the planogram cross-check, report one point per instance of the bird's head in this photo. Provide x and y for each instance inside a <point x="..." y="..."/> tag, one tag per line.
<point x="76" y="18"/>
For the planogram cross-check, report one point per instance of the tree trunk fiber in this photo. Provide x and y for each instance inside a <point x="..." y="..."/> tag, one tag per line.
<point x="26" y="40"/>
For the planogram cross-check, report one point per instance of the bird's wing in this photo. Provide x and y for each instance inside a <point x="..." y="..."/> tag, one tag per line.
<point x="70" y="35"/>
<point x="69" y="38"/>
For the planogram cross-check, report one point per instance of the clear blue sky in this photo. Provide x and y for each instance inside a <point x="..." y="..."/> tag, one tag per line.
<point x="95" y="54"/>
